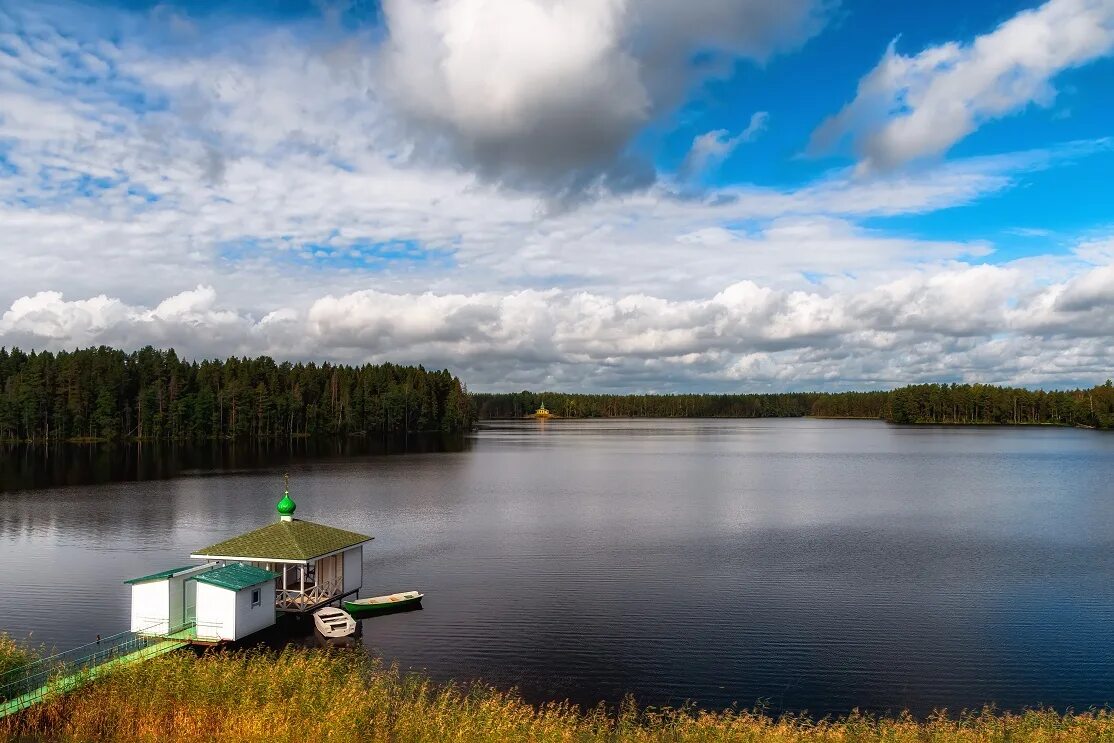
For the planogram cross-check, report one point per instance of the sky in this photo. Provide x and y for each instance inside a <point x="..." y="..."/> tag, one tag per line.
<point x="582" y="195"/>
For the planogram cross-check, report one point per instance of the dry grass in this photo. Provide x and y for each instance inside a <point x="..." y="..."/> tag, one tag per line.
<point x="303" y="695"/>
<point x="12" y="655"/>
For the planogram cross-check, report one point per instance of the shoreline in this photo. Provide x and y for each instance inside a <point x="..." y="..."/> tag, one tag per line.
<point x="912" y="424"/>
<point x="303" y="694"/>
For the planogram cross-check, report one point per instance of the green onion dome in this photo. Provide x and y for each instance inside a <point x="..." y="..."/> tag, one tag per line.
<point x="286" y="506"/>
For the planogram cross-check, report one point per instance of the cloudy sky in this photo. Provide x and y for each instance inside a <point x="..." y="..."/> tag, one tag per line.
<point x="635" y="195"/>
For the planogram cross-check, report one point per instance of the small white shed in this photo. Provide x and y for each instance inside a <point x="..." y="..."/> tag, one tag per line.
<point x="164" y="602"/>
<point x="234" y="601"/>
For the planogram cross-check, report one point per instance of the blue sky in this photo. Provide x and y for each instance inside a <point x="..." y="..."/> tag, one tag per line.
<point x="635" y="195"/>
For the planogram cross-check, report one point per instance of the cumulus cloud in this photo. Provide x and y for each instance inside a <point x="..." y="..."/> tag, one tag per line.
<point x="954" y="321"/>
<point x="557" y="100"/>
<point x="189" y="319"/>
<point x="914" y="107"/>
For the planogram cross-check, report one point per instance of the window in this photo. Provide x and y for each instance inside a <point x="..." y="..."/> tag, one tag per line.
<point x="255" y="599"/>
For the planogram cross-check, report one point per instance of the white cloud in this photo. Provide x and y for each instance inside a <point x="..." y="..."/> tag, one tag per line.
<point x="189" y="319"/>
<point x="975" y="322"/>
<point x="914" y="107"/>
<point x="558" y="98"/>
<point x="711" y="148"/>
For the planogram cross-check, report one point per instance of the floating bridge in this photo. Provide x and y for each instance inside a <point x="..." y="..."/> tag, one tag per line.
<point x="41" y="679"/>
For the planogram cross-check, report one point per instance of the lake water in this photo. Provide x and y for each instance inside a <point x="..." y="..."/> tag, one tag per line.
<point x="800" y="564"/>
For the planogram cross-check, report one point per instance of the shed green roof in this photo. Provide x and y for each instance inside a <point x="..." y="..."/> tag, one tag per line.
<point x="285" y="540"/>
<point x="236" y="576"/>
<point x="160" y="576"/>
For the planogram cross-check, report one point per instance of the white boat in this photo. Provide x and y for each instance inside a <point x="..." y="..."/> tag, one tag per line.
<point x="334" y="622"/>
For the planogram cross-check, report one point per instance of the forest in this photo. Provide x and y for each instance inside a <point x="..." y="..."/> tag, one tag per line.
<point x="107" y="394"/>
<point x="577" y="405"/>
<point x="922" y="403"/>
<point x="102" y="393"/>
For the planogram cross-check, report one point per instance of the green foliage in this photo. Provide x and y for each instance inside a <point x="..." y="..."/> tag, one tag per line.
<point x="12" y="656"/>
<point x="518" y="404"/>
<point x="923" y="403"/>
<point x="103" y="393"/>
<point x="986" y="404"/>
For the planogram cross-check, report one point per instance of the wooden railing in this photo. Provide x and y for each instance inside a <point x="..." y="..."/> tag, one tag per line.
<point x="291" y="598"/>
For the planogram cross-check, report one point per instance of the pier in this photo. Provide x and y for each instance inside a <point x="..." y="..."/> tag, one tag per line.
<point x="63" y="672"/>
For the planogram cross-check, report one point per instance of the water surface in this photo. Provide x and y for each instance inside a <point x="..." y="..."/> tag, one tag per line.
<point x="799" y="564"/>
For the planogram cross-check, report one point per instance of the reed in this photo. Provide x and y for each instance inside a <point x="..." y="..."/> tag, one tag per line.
<point x="12" y="655"/>
<point x="303" y="695"/>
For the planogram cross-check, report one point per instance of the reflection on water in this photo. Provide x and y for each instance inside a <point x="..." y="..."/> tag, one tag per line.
<point x="819" y="565"/>
<point x="23" y="467"/>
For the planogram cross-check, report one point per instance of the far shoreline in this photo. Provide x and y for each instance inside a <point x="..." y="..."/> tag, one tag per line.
<point x="913" y="424"/>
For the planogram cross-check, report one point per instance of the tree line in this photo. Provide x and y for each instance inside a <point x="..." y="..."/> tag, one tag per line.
<point x="988" y="404"/>
<point x="103" y="393"/>
<point x="578" y="405"/>
<point x="150" y="394"/>
<point x="922" y="403"/>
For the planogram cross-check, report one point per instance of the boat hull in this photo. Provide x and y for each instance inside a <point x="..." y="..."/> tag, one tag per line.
<point x="354" y="608"/>
<point x="333" y="623"/>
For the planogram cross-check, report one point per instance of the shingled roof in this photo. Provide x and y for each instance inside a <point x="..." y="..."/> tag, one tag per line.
<point x="285" y="540"/>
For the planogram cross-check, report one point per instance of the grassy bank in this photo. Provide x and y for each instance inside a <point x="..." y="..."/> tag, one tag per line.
<point x="12" y="655"/>
<point x="312" y="695"/>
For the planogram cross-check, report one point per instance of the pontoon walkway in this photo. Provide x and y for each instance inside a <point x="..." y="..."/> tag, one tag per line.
<point x="41" y="679"/>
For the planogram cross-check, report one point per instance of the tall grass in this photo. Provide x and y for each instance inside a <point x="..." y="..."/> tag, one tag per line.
<point x="302" y="695"/>
<point x="12" y="656"/>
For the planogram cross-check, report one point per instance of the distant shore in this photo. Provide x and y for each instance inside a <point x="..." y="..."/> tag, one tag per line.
<point x="931" y="404"/>
<point x="1041" y="424"/>
<point x="99" y="395"/>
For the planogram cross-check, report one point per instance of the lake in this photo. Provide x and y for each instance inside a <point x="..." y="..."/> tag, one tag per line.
<point x="797" y="564"/>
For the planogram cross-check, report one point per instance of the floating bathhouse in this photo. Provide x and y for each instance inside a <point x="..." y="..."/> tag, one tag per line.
<point x="291" y="566"/>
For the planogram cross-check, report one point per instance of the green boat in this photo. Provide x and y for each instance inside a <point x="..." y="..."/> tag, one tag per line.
<point x="390" y="602"/>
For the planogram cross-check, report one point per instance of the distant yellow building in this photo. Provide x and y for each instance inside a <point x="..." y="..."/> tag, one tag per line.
<point x="542" y="412"/>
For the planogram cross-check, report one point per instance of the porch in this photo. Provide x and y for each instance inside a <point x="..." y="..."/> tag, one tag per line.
<point x="302" y="587"/>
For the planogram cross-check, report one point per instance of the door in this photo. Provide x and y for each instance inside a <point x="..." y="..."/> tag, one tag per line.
<point x="189" y="601"/>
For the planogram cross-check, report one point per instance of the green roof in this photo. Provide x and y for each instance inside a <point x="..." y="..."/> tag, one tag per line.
<point x="285" y="540"/>
<point x="162" y="575"/>
<point x="236" y="576"/>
